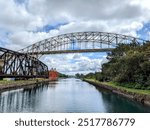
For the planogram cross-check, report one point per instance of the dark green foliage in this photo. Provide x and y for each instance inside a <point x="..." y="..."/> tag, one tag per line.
<point x="90" y="75"/>
<point x="129" y="64"/>
<point x="79" y="75"/>
<point x="63" y="75"/>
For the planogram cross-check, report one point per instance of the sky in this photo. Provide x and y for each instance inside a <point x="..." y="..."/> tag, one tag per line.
<point x="24" y="22"/>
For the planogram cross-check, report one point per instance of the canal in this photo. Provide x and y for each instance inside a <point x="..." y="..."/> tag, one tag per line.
<point x="66" y="95"/>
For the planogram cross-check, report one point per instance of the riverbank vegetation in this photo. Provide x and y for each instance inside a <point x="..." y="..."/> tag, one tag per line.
<point x="118" y="86"/>
<point x="17" y="82"/>
<point x="7" y="83"/>
<point x="61" y="75"/>
<point x="128" y="66"/>
<point x="14" y="84"/>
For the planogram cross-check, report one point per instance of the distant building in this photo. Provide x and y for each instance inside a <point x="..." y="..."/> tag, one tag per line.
<point x="53" y="74"/>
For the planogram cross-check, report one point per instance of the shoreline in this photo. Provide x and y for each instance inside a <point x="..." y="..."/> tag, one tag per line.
<point x="142" y="98"/>
<point x="12" y="85"/>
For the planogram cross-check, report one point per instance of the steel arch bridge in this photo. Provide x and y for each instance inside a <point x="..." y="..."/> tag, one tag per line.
<point x="20" y="65"/>
<point x="80" y="42"/>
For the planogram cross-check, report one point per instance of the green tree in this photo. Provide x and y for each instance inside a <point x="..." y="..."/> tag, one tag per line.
<point x="129" y="64"/>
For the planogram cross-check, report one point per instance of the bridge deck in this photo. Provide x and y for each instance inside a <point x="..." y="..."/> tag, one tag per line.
<point x="71" y="51"/>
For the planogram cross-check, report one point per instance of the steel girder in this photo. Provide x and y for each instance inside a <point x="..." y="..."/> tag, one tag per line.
<point x="15" y="64"/>
<point x="79" y="42"/>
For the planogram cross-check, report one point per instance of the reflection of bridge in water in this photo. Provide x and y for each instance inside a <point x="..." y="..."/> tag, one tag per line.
<point x="24" y="63"/>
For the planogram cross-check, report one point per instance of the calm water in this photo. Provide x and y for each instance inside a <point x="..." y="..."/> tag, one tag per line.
<point x="66" y="95"/>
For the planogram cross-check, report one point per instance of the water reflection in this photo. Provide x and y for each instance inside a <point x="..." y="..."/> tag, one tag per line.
<point x="116" y="103"/>
<point x="66" y="95"/>
<point x="21" y="100"/>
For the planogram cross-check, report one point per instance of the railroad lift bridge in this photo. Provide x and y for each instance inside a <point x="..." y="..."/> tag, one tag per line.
<point x="26" y="63"/>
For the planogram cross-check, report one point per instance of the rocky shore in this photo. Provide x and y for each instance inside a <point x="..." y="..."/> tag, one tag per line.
<point x="142" y="98"/>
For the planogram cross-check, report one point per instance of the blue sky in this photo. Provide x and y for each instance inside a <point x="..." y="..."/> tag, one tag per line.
<point x="20" y="1"/>
<point x="24" y="22"/>
<point x="49" y="27"/>
<point x="144" y="32"/>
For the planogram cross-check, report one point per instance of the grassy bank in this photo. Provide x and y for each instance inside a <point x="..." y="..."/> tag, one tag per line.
<point x="142" y="96"/>
<point x="116" y="86"/>
<point x="5" y="85"/>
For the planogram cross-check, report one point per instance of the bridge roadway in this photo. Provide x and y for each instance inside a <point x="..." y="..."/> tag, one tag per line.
<point x="70" y="51"/>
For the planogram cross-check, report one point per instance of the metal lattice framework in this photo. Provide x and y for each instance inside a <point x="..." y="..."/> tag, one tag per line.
<point x="15" y="64"/>
<point x="80" y="42"/>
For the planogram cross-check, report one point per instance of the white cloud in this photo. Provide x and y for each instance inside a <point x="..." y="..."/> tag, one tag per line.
<point x="15" y="17"/>
<point x="86" y="10"/>
<point x="19" y="22"/>
<point x="68" y="63"/>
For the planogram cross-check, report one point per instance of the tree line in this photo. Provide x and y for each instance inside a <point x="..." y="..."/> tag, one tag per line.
<point x="128" y="64"/>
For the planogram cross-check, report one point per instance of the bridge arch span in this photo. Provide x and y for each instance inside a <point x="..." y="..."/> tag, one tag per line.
<point x="80" y="42"/>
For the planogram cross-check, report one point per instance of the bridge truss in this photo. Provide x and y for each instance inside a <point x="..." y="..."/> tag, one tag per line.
<point x="15" y="64"/>
<point x="24" y="64"/>
<point x="80" y="42"/>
